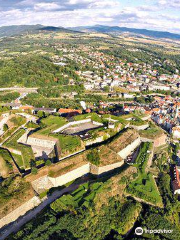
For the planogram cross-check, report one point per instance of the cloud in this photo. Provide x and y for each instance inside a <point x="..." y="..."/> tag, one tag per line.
<point x="169" y="4"/>
<point x="47" y="6"/>
<point x="69" y="13"/>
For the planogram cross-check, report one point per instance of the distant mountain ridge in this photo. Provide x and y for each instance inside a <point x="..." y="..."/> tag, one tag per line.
<point x="9" y="31"/>
<point x="119" y="30"/>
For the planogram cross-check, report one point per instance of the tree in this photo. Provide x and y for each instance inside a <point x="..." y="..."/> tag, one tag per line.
<point x="93" y="157"/>
<point x="41" y="114"/>
<point x="34" y="170"/>
<point x="48" y="162"/>
<point x="32" y="163"/>
<point x="106" y="89"/>
<point x="5" y="127"/>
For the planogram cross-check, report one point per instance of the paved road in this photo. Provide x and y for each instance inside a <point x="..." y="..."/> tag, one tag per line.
<point x="19" y="89"/>
<point x="15" y="226"/>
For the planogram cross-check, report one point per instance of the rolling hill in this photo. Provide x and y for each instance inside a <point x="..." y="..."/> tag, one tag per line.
<point x="132" y="31"/>
<point x="9" y="31"/>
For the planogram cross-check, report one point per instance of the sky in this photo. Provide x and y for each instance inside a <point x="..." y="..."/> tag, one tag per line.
<point x="163" y="15"/>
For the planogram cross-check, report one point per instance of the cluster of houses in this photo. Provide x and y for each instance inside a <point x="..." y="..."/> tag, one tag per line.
<point x="106" y="71"/>
<point x="164" y="112"/>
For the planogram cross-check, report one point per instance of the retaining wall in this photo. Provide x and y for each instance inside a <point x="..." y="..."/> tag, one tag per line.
<point x="99" y="170"/>
<point x="142" y="127"/>
<point x="70" y="176"/>
<point x="130" y="148"/>
<point x="71" y="124"/>
<point x="76" y="123"/>
<point x="20" y="211"/>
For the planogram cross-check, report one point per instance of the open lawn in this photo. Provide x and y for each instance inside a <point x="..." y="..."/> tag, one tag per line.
<point x="152" y="132"/>
<point x="93" y="116"/>
<point x="143" y="156"/>
<point x="68" y="144"/>
<point x="51" y="123"/>
<point x="136" y="121"/>
<point x="26" y="151"/>
<point x="19" y="160"/>
<point x="5" y="163"/>
<point x="144" y="186"/>
<point x="116" y="118"/>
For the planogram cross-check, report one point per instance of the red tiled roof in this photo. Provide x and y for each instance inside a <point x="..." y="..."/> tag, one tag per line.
<point x="68" y="110"/>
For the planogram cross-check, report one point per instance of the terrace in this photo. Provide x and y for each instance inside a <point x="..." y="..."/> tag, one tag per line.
<point x="152" y="132"/>
<point x="144" y="186"/>
<point x="6" y="163"/>
<point x="25" y="151"/>
<point x="126" y="138"/>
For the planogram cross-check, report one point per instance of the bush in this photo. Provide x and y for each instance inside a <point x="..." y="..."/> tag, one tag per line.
<point x="48" y="162"/>
<point x="34" y="170"/>
<point x="93" y="157"/>
<point x="5" y="127"/>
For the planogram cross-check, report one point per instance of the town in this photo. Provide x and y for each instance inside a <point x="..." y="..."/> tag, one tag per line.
<point x="87" y="122"/>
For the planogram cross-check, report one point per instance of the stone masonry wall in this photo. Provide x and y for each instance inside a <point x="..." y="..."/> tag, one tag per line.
<point x="99" y="170"/>
<point x="20" y="211"/>
<point x="70" y="176"/>
<point x="127" y="151"/>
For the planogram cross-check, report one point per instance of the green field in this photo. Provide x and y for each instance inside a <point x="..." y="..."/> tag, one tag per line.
<point x="93" y="116"/>
<point x="68" y="143"/>
<point x="144" y="186"/>
<point x="5" y="163"/>
<point x="51" y="123"/>
<point x="83" y="196"/>
<point x="136" y="121"/>
<point x="143" y="155"/>
<point x="152" y="132"/>
<point x="18" y="159"/>
<point x="26" y="151"/>
<point x="117" y="118"/>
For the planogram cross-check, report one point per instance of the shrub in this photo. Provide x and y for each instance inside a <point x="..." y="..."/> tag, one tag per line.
<point x="5" y="127"/>
<point x="34" y="170"/>
<point x="93" y="157"/>
<point x="48" y="162"/>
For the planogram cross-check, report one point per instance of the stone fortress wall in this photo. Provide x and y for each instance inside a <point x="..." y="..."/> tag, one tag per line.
<point x="141" y="127"/>
<point x="20" y="211"/>
<point x="46" y="182"/>
<point x="76" y="123"/>
<point x="130" y="148"/>
<point x="44" y="143"/>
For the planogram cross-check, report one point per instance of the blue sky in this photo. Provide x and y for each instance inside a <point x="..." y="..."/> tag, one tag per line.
<point x="161" y="15"/>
